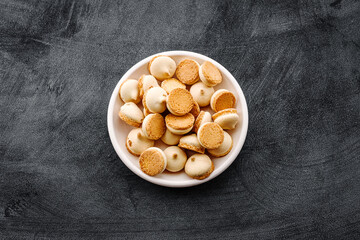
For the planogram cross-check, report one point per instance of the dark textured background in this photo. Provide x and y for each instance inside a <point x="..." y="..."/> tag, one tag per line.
<point x="298" y="175"/>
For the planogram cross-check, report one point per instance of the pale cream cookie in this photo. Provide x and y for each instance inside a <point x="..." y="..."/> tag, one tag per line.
<point x="162" y="67"/>
<point x="129" y="91"/>
<point x="131" y="114"/>
<point x="176" y="158"/>
<point x="190" y="142"/>
<point x="136" y="142"/>
<point x="227" y="118"/>
<point x="201" y="93"/>
<point x="199" y="166"/>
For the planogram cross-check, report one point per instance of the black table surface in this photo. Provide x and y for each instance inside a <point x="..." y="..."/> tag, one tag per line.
<point x="297" y="176"/>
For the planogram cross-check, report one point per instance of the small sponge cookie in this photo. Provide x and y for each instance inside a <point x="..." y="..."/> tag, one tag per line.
<point x="187" y="71"/>
<point x="179" y="101"/>
<point x="203" y="117"/>
<point x="162" y="67"/>
<point x="195" y="110"/>
<point x="153" y="126"/>
<point x="222" y="99"/>
<point x="179" y="125"/>
<point x="136" y="142"/>
<point x="145" y="83"/>
<point x="176" y="158"/>
<point x="170" y="84"/>
<point x="155" y="100"/>
<point x="191" y="142"/>
<point x="227" y="118"/>
<point x="201" y="93"/>
<point x="152" y="161"/>
<point x="209" y="74"/>
<point x="199" y="166"/>
<point x="131" y="114"/>
<point x="170" y="139"/>
<point x="129" y="91"/>
<point x="210" y="135"/>
<point x="224" y="148"/>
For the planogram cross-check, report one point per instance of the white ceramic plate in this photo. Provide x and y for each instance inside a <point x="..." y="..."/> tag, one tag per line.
<point x="118" y="130"/>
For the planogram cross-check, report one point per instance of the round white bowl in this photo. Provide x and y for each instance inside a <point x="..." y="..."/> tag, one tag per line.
<point x="118" y="130"/>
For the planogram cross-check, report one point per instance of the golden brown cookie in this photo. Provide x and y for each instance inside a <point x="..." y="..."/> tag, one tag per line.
<point x="152" y="161"/>
<point x="170" y="84"/>
<point x="209" y="74"/>
<point x="222" y="99"/>
<point x="153" y="126"/>
<point x="187" y="71"/>
<point x="201" y="93"/>
<point x="210" y="135"/>
<point x="179" y="125"/>
<point x="179" y="101"/>
<point x="191" y="142"/>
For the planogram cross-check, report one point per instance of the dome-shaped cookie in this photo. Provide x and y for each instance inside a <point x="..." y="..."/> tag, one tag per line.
<point x="201" y="93"/>
<point x="131" y="114"/>
<point x="136" y="142"/>
<point x="176" y="158"/>
<point x="169" y="138"/>
<point x="129" y="91"/>
<point x="155" y="100"/>
<point x="227" y="118"/>
<point x="199" y="166"/>
<point x="190" y="142"/>
<point x="162" y="67"/>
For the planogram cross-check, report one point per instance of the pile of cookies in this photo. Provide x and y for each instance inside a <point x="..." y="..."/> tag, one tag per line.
<point x="172" y="112"/>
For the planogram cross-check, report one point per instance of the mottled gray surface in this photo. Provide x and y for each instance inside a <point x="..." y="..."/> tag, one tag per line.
<point x="297" y="177"/>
